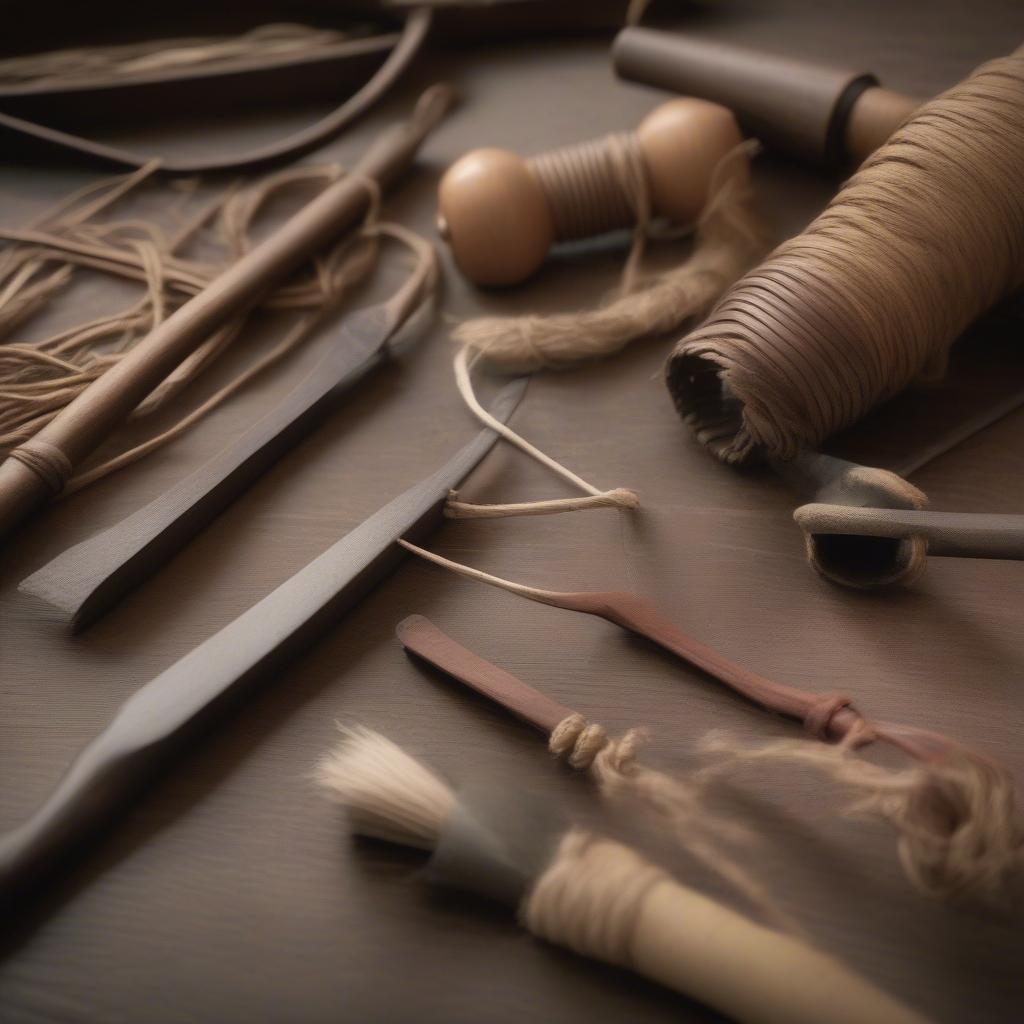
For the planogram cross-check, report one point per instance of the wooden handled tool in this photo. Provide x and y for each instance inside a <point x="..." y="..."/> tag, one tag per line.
<point x="501" y="213"/>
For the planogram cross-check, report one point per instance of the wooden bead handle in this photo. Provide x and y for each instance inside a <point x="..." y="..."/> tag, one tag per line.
<point x="501" y="213"/>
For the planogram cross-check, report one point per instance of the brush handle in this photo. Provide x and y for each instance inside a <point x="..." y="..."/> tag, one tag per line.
<point x="603" y="900"/>
<point x="88" y="579"/>
<point x="166" y="712"/>
<point x="751" y="973"/>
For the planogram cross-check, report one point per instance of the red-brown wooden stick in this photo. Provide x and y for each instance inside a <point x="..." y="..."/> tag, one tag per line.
<point x="424" y="639"/>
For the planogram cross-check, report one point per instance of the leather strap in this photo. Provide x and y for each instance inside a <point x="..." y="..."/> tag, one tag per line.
<point x="413" y="33"/>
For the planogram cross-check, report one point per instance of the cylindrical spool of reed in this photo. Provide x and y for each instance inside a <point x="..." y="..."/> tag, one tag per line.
<point x="924" y="238"/>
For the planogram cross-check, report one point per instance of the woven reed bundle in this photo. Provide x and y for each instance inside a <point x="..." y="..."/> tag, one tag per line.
<point x="925" y="237"/>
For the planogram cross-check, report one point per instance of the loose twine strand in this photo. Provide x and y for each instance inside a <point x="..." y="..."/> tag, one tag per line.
<point x="675" y="803"/>
<point x="39" y="378"/>
<point x="926" y="236"/>
<point x="620" y="497"/>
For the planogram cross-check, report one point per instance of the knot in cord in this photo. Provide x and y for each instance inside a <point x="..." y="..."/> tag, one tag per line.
<point x="585" y="744"/>
<point x="818" y="720"/>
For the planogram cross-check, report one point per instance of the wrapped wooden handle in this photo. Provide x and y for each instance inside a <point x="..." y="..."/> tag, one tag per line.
<point x="604" y="900"/>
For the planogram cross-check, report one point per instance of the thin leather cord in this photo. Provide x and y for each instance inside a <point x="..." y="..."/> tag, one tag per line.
<point x="414" y="32"/>
<point x="90" y="65"/>
<point x="926" y="236"/>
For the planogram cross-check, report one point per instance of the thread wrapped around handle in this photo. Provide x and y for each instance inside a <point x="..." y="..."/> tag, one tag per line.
<point x="604" y="900"/>
<point x="501" y="214"/>
<point x="923" y="239"/>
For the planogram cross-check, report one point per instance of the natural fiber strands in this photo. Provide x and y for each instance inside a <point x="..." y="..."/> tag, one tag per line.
<point x="923" y="239"/>
<point x="40" y="378"/>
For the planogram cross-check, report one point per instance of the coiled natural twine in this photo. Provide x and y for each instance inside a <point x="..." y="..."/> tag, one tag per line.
<point x="926" y="236"/>
<point x="960" y="836"/>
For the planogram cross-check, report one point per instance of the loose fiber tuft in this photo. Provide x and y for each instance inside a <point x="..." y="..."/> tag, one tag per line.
<point x="389" y="795"/>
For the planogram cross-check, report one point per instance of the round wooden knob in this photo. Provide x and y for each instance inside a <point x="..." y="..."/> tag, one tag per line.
<point x="498" y="214"/>
<point x="682" y="142"/>
<point x="493" y="214"/>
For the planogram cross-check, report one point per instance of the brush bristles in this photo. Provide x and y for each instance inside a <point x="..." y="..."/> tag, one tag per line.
<point x="389" y="795"/>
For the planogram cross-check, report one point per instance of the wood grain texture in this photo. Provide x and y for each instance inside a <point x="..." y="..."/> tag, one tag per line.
<point x="233" y="892"/>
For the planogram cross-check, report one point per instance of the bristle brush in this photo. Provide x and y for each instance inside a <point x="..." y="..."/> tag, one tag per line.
<point x="596" y="896"/>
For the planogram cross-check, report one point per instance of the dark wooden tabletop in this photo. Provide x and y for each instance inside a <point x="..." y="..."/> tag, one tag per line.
<point x="232" y="892"/>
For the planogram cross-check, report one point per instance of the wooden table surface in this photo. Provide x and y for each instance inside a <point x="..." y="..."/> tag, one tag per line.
<point x="232" y="891"/>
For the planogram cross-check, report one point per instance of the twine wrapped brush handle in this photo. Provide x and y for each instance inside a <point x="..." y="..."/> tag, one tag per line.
<point x="40" y="467"/>
<point x="597" y="897"/>
<point x="604" y="900"/>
